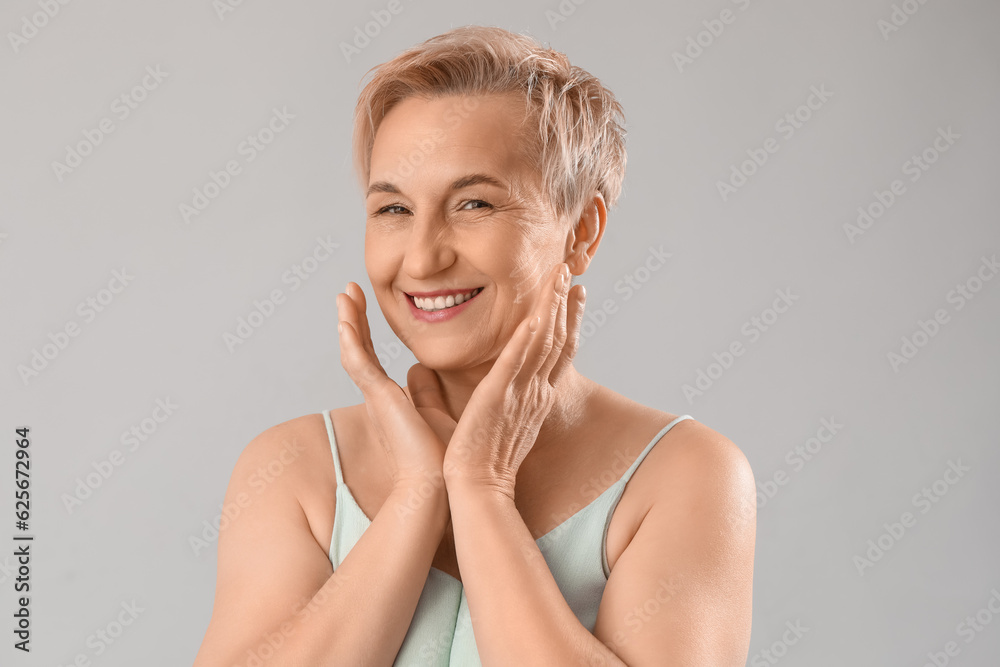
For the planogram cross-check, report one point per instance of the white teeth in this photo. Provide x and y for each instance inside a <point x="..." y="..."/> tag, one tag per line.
<point x="440" y="303"/>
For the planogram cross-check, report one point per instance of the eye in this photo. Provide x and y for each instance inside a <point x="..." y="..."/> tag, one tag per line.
<point x="387" y="209"/>
<point x="476" y="201"/>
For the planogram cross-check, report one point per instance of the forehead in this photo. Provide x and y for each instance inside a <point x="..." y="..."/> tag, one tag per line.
<point x="449" y="134"/>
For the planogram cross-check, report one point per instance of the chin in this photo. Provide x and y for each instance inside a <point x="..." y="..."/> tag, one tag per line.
<point x="443" y="361"/>
<point x="445" y="358"/>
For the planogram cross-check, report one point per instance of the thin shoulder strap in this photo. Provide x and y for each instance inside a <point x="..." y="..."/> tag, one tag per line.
<point x="635" y="464"/>
<point x="333" y="448"/>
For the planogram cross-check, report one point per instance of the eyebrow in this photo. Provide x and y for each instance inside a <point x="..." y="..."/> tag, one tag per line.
<point x="458" y="184"/>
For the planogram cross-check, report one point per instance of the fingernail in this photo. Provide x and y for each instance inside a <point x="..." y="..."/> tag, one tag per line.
<point x="533" y="324"/>
<point x="563" y="276"/>
<point x="340" y="328"/>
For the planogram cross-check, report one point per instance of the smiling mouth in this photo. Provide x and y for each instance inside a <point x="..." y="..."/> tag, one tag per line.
<point x="434" y="304"/>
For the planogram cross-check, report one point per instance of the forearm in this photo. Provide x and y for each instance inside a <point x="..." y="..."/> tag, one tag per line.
<point x="363" y="611"/>
<point x="510" y="590"/>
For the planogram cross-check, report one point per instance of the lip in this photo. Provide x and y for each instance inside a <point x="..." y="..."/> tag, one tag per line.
<point x="440" y="315"/>
<point x="441" y="292"/>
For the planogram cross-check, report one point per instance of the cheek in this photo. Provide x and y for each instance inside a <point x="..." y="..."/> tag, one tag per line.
<point x="531" y="280"/>
<point x="380" y="259"/>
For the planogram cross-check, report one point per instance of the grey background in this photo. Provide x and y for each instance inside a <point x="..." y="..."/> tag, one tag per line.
<point x="826" y="357"/>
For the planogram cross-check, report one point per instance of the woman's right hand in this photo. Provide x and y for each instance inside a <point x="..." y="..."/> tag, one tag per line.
<point x="414" y="450"/>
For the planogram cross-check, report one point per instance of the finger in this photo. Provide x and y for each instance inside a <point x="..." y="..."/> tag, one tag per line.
<point x="424" y="388"/>
<point x="547" y="311"/>
<point x="512" y="357"/>
<point x="352" y="356"/>
<point x="361" y="316"/>
<point x="347" y="315"/>
<point x="355" y="312"/>
<point x="361" y="365"/>
<point x="558" y="330"/>
<point x="574" y="319"/>
<point x="425" y="393"/>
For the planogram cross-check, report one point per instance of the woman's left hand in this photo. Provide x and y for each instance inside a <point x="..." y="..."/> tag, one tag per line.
<point x="500" y="423"/>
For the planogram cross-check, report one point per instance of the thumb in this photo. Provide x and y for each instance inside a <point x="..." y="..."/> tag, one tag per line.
<point x="424" y="388"/>
<point x="425" y="392"/>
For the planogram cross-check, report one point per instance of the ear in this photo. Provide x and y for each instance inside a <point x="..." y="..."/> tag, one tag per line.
<point x="586" y="234"/>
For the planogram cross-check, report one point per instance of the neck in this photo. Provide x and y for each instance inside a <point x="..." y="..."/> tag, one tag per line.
<point x="567" y="409"/>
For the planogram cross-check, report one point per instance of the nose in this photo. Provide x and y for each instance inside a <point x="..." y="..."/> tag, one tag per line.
<point x="429" y="248"/>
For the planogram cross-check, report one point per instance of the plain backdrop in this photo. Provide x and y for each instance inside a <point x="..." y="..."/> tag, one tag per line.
<point x="841" y="154"/>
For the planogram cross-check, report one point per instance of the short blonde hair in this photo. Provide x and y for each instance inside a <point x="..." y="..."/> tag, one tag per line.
<point x="580" y="138"/>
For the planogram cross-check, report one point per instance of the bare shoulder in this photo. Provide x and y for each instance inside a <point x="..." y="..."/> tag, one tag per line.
<point x="694" y="459"/>
<point x="295" y="458"/>
<point x="690" y="464"/>
<point x="701" y="450"/>
<point x="689" y="446"/>
<point x="695" y="537"/>
<point x="308" y="438"/>
<point x="700" y="483"/>
<point x="274" y="523"/>
<point x="285" y="452"/>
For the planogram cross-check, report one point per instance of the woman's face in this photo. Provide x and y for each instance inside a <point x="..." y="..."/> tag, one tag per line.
<point x="453" y="206"/>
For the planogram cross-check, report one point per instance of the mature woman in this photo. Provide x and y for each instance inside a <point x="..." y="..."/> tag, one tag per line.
<point x="501" y="509"/>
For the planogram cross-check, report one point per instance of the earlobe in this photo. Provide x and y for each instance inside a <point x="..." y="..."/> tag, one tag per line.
<point x="586" y="235"/>
<point x="578" y="262"/>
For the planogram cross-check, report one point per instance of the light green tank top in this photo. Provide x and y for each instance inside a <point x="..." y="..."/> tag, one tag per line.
<point x="440" y="634"/>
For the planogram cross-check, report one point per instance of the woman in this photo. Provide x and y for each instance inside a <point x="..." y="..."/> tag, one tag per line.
<point x="494" y="511"/>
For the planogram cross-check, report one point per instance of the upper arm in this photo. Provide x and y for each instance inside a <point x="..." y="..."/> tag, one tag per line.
<point x="681" y="592"/>
<point x="269" y="562"/>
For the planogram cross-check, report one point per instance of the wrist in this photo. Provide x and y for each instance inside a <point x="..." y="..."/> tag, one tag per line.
<point x="483" y="486"/>
<point x="425" y="479"/>
<point x="421" y="497"/>
<point x="462" y="474"/>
